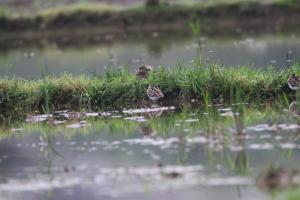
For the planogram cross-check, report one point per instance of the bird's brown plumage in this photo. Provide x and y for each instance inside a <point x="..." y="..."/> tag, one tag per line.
<point x="294" y="82"/>
<point x="143" y="71"/>
<point x="154" y="93"/>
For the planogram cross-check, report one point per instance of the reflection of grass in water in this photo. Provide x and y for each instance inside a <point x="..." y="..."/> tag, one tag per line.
<point x="165" y="127"/>
<point x="173" y="126"/>
<point x="291" y="194"/>
<point x="49" y="149"/>
<point x="207" y="123"/>
<point x="195" y="27"/>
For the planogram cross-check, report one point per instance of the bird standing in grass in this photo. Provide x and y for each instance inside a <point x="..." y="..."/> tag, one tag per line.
<point x="154" y="93"/>
<point x="294" y="108"/>
<point x="294" y="82"/>
<point x="143" y="71"/>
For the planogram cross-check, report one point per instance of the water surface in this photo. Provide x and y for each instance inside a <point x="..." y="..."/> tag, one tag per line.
<point x="96" y="54"/>
<point x="168" y="154"/>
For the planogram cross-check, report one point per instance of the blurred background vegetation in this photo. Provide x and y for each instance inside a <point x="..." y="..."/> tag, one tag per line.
<point x="34" y="6"/>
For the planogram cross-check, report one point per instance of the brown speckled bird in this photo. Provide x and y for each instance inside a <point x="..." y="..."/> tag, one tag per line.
<point x="294" y="108"/>
<point x="294" y="82"/>
<point x="154" y="93"/>
<point x="143" y="71"/>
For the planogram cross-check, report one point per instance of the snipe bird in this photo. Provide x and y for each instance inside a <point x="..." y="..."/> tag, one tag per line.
<point x="143" y="71"/>
<point x="154" y="93"/>
<point x="294" y="82"/>
<point x="295" y="108"/>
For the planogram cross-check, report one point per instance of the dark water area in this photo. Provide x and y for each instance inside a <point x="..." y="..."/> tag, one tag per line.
<point x="29" y="59"/>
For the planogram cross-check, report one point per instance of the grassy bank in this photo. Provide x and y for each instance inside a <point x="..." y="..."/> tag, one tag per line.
<point x="119" y="88"/>
<point x="222" y="15"/>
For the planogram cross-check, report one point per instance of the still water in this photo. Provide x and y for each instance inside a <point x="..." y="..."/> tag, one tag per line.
<point x="92" y="54"/>
<point x="146" y="154"/>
